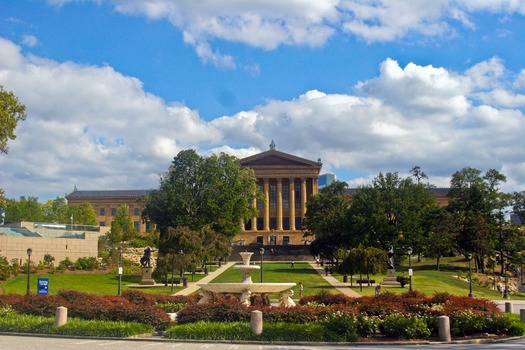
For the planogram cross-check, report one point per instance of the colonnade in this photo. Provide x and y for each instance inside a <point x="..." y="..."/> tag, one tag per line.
<point x="278" y="207"/>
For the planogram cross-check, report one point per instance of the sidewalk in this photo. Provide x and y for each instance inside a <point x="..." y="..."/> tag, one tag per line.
<point x="193" y="287"/>
<point x="342" y="287"/>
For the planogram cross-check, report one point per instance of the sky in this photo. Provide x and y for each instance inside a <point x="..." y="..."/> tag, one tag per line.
<point x="114" y="89"/>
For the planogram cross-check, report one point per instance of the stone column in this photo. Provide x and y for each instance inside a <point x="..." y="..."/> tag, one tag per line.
<point x="315" y="186"/>
<point x="303" y="197"/>
<point x="279" y="204"/>
<point x="267" y="204"/>
<point x="292" y="203"/>
<point x="254" y="219"/>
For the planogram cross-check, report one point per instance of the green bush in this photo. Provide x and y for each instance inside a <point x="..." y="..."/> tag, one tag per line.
<point x="405" y="327"/>
<point x="342" y="325"/>
<point x="403" y="280"/>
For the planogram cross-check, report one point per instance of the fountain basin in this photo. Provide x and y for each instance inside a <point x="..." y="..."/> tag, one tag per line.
<point x="258" y="288"/>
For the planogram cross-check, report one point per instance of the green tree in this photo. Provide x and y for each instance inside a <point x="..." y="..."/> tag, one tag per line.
<point x="390" y="212"/>
<point x="25" y="209"/>
<point x="478" y="208"/>
<point x="440" y="235"/>
<point x="121" y="228"/>
<point x="327" y="220"/>
<point x="364" y="261"/>
<point x="83" y="214"/>
<point x="11" y="111"/>
<point x="199" y="192"/>
<point x="56" y="211"/>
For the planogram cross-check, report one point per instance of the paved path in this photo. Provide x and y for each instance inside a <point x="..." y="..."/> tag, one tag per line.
<point x="342" y="287"/>
<point x="193" y="287"/>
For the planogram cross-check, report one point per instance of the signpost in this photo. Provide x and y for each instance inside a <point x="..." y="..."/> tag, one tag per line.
<point x="43" y="286"/>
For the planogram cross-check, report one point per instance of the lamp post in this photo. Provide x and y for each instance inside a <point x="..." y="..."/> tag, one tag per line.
<point x="119" y="292"/>
<point x="506" y="293"/>
<point x="409" y="251"/>
<point x="29" y="252"/>
<point x="469" y="256"/>
<point x="261" y="251"/>
<point x="494" y="270"/>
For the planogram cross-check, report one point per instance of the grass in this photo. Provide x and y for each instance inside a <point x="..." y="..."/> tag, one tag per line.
<point x="282" y="273"/>
<point x="94" y="283"/>
<point x="428" y="280"/>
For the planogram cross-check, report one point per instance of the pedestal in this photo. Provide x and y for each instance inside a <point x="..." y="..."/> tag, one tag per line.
<point x="147" y="280"/>
<point x="390" y="279"/>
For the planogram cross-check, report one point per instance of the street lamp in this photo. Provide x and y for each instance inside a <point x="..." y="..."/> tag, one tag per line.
<point x="469" y="257"/>
<point x="172" y="267"/>
<point x="506" y="294"/>
<point x="29" y="252"/>
<point x="409" y="251"/>
<point x="261" y="251"/>
<point x="120" y="271"/>
<point x="494" y="270"/>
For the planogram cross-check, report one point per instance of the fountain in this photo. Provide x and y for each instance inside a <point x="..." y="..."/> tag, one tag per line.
<point x="245" y="290"/>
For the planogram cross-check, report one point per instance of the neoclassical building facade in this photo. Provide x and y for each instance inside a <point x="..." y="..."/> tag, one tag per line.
<point x="286" y="183"/>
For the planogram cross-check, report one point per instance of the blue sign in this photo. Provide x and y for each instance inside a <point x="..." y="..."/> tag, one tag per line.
<point x="43" y="286"/>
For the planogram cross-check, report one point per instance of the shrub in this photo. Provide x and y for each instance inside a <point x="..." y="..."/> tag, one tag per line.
<point x="342" y="325"/>
<point x="403" y="280"/>
<point x="406" y="327"/>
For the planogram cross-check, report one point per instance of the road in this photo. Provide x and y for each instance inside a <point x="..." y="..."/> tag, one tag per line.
<point x="16" y="342"/>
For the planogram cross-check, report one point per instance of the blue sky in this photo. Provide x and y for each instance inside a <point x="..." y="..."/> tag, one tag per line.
<point x="115" y="89"/>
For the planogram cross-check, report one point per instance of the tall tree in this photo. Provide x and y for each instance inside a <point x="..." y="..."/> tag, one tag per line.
<point x="439" y="234"/>
<point x="25" y="209"/>
<point x="327" y="220"/>
<point x="477" y="205"/>
<point x="518" y="205"/>
<point x="11" y="111"/>
<point x="390" y="212"/>
<point x="197" y="192"/>
<point x="56" y="211"/>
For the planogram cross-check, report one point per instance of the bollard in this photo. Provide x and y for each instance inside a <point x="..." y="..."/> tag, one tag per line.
<point x="256" y="322"/>
<point x="444" y="328"/>
<point x="522" y="315"/>
<point x="508" y="307"/>
<point x="61" y="316"/>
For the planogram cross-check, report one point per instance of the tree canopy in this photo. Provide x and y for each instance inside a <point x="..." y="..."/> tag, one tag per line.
<point x="199" y="192"/>
<point x="11" y="111"/>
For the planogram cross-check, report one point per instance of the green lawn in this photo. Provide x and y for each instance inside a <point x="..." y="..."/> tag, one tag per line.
<point x="282" y="273"/>
<point x="99" y="284"/>
<point x="428" y="280"/>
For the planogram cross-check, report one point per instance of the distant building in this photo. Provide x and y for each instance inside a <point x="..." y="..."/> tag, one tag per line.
<point x="326" y="179"/>
<point x="106" y="204"/>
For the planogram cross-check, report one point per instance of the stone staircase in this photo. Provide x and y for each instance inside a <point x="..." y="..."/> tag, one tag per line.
<point x="274" y="252"/>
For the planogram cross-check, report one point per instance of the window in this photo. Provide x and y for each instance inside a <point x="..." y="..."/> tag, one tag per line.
<point x="102" y="211"/>
<point x="148" y="226"/>
<point x="297" y="196"/>
<point x="286" y="240"/>
<point x="286" y="196"/>
<point x="136" y="225"/>
<point x="260" y="203"/>
<point x="260" y="240"/>
<point x="273" y="196"/>
<point x="113" y="211"/>
<point x="136" y="211"/>
<point x="102" y="223"/>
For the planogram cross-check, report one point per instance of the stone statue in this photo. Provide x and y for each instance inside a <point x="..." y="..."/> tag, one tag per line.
<point x="391" y="258"/>
<point x="285" y="298"/>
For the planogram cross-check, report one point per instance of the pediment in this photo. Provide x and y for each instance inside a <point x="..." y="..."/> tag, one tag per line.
<point x="279" y="159"/>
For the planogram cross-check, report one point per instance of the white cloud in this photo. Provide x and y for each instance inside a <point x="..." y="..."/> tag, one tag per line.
<point x="269" y="24"/>
<point x="97" y="128"/>
<point x="29" y="40"/>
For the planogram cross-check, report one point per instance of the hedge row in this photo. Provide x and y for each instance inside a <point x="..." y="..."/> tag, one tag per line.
<point x="132" y="306"/>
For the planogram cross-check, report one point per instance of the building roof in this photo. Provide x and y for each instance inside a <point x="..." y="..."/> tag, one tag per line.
<point x="76" y="194"/>
<point x="273" y="157"/>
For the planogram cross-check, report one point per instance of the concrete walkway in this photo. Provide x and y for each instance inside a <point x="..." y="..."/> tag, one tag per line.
<point x="193" y="287"/>
<point x="341" y="286"/>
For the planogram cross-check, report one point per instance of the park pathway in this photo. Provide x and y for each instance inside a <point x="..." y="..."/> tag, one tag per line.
<point x="341" y="286"/>
<point x="193" y="287"/>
